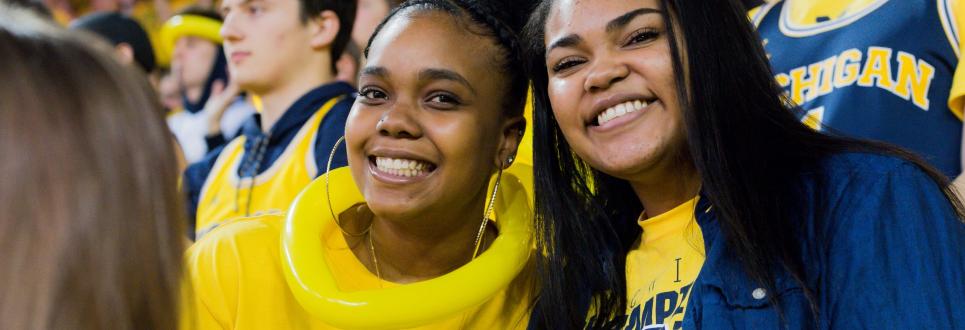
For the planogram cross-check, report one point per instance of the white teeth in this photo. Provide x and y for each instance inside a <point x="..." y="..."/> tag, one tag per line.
<point x="620" y="110"/>
<point x="401" y="167"/>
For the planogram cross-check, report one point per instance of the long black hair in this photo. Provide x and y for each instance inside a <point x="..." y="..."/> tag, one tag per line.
<point x="743" y="138"/>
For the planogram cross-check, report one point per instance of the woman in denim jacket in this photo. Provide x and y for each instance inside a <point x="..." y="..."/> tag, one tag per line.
<point x="662" y="115"/>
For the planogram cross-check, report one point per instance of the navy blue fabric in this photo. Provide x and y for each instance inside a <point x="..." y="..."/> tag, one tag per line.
<point x="330" y="130"/>
<point x="902" y="28"/>
<point x="882" y="249"/>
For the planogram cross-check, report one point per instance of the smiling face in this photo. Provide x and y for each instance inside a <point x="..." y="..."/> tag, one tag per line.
<point x="427" y="130"/>
<point x="612" y="87"/>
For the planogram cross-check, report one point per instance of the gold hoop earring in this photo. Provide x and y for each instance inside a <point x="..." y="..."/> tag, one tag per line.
<point x="328" y="192"/>
<point x="489" y="210"/>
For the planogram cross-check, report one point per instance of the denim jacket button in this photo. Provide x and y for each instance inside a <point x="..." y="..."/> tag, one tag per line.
<point x="759" y="293"/>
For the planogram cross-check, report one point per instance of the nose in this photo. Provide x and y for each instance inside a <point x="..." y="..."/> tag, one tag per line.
<point x="399" y="122"/>
<point x="229" y="29"/>
<point x="604" y="73"/>
<point x="179" y="49"/>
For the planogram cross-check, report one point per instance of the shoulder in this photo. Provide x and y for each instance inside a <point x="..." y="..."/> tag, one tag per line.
<point x="871" y="193"/>
<point x="234" y="274"/>
<point x="862" y="177"/>
<point x="252" y="240"/>
<point x="866" y="165"/>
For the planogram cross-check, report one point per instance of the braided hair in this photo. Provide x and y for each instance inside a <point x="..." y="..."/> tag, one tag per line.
<point x="500" y="20"/>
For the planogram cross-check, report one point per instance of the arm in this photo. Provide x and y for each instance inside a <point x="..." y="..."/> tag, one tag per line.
<point x="895" y="255"/>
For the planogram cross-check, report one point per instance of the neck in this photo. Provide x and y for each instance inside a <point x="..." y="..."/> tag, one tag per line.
<point x="277" y="99"/>
<point x="412" y="250"/>
<point x="662" y="192"/>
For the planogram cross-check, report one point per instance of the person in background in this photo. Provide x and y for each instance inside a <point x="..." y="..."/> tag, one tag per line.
<point x="213" y="108"/>
<point x="91" y="235"/>
<point x="131" y="43"/>
<point x="347" y="66"/>
<point x="303" y="111"/>
<point x="880" y="70"/>
<point x="367" y="18"/>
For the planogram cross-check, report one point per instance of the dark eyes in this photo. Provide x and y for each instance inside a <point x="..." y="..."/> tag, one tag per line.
<point x="641" y="36"/>
<point x="372" y="94"/>
<point x="437" y="100"/>
<point x="638" y="37"/>
<point x="443" y="101"/>
<point x="443" y="98"/>
<point x="566" y="63"/>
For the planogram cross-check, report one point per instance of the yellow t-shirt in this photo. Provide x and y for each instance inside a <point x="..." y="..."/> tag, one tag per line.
<point x="236" y="282"/>
<point x="662" y="267"/>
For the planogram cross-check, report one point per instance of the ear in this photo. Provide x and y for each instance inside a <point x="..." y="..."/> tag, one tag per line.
<point x="512" y="134"/>
<point x="324" y="28"/>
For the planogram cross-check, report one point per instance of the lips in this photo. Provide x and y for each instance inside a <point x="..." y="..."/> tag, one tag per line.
<point x="403" y="167"/>
<point x="238" y="56"/>
<point x="398" y="166"/>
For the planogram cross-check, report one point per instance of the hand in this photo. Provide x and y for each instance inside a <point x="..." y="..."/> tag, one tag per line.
<point x="221" y="97"/>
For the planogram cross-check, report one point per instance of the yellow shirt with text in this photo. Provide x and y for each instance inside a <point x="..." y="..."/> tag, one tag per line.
<point x="662" y="267"/>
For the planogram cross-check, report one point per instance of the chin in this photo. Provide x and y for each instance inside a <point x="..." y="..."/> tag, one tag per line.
<point x="392" y="209"/>
<point x="623" y="167"/>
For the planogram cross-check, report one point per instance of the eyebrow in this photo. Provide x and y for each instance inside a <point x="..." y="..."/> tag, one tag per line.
<point x="623" y="20"/>
<point x="443" y="74"/>
<point x="426" y="74"/>
<point x="617" y="23"/>
<point x="377" y="71"/>
<point x="567" y="41"/>
<point x="224" y="8"/>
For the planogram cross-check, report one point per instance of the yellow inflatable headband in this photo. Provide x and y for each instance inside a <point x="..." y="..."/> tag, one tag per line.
<point x="404" y="306"/>
<point x="186" y="25"/>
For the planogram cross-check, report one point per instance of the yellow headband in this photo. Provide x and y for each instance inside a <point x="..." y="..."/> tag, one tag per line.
<point x="186" y="25"/>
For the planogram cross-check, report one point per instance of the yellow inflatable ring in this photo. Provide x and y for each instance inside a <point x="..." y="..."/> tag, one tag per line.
<point x="186" y="25"/>
<point x="403" y="306"/>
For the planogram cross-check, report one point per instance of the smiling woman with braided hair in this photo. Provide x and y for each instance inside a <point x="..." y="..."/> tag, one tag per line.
<point x="411" y="234"/>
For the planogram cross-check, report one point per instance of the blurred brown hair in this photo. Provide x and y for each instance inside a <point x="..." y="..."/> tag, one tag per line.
<point x="91" y="226"/>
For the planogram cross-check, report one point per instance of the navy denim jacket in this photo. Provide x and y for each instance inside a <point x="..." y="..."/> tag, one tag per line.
<point x="886" y="251"/>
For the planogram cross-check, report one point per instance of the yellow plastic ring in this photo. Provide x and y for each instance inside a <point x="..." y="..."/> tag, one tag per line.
<point x="313" y="285"/>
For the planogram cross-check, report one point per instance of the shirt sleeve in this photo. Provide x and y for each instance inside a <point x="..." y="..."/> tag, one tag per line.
<point x="895" y="255"/>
